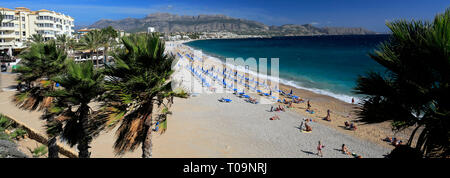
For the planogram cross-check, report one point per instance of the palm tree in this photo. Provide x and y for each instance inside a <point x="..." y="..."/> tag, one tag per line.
<point x="36" y="38"/>
<point x="138" y="79"/>
<point x="62" y="40"/>
<point x="414" y="91"/>
<point x="109" y="40"/>
<point x="92" y="41"/>
<point x="39" y="63"/>
<point x="74" y="120"/>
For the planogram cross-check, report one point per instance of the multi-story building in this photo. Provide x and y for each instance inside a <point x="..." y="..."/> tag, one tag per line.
<point x="21" y="23"/>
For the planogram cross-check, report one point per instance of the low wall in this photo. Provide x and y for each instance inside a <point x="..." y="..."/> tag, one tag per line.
<point x="32" y="134"/>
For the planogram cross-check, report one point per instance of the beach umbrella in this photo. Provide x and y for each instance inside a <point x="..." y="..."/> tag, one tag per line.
<point x="259" y="91"/>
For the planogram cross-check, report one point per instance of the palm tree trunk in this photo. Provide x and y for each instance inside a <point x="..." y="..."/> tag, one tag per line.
<point x="83" y="144"/>
<point x="147" y="143"/>
<point x="105" y="55"/>
<point x="52" y="148"/>
<point x="96" y="59"/>
<point x="92" y="55"/>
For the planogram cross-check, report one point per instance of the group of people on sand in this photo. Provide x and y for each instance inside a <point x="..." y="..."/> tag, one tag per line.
<point x="307" y="127"/>
<point x="344" y="150"/>
<point x="394" y="141"/>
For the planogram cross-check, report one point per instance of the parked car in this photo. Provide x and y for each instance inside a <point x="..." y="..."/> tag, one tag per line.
<point x="3" y="68"/>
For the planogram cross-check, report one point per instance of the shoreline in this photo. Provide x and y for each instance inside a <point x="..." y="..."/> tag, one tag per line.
<point x="341" y="111"/>
<point x="339" y="96"/>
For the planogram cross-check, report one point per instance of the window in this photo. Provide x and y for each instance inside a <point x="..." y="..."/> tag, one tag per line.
<point x="23" y="19"/>
<point x="45" y="25"/>
<point x="8" y="17"/>
<point x="18" y="40"/>
<point x="23" y="33"/>
<point x="7" y="25"/>
<point x="2" y="40"/>
<point x="23" y="25"/>
<point x="17" y="33"/>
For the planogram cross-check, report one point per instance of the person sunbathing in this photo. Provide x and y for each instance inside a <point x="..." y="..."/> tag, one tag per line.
<point x="352" y="126"/>
<point x="347" y="124"/>
<point x="275" y="118"/>
<point x="307" y="127"/>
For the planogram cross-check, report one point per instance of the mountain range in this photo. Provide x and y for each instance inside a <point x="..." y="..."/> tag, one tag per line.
<point x="169" y="23"/>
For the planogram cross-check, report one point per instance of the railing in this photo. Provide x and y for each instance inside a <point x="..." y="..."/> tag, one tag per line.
<point x="8" y="35"/>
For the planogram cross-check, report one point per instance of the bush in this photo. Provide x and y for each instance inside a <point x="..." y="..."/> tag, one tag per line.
<point x="18" y="134"/>
<point x="39" y="151"/>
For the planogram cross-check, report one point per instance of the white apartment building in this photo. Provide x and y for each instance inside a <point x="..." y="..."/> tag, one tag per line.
<point x="21" y="23"/>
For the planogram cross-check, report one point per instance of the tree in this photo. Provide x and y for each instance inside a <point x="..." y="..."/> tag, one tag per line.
<point x="39" y="63"/>
<point x="414" y="91"/>
<point x="74" y="121"/>
<point x="138" y="79"/>
<point x="36" y="38"/>
<point x="109" y="40"/>
<point x="62" y="40"/>
<point x="92" y="41"/>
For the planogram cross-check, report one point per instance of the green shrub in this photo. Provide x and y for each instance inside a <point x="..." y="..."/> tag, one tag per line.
<point x="18" y="134"/>
<point x="5" y="123"/>
<point x="39" y="151"/>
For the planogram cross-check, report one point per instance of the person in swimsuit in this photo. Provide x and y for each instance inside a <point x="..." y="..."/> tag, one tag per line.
<point x="309" y="106"/>
<point x="319" y="149"/>
<point x="307" y="127"/>
<point x="345" y="149"/>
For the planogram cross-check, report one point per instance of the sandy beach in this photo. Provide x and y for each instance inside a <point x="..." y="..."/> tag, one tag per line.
<point x="340" y="111"/>
<point x="201" y="126"/>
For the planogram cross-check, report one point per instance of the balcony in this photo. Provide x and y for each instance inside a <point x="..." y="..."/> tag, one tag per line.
<point x="8" y="35"/>
<point x="7" y="28"/>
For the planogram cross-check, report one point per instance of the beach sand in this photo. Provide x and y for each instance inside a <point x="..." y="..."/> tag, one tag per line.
<point x="201" y="126"/>
<point x="340" y="111"/>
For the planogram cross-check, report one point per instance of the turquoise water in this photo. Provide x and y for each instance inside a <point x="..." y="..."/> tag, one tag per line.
<point x="323" y="64"/>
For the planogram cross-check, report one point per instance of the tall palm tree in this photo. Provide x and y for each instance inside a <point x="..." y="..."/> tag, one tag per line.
<point x="109" y="40"/>
<point x="92" y="41"/>
<point x="39" y="63"/>
<point x="414" y="91"/>
<point x="74" y="121"/>
<point x="138" y="79"/>
<point x="62" y="40"/>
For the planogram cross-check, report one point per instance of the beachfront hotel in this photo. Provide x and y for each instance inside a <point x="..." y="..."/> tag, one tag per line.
<point x="21" y="23"/>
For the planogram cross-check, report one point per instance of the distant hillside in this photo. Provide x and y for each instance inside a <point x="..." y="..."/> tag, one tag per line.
<point x="165" y="22"/>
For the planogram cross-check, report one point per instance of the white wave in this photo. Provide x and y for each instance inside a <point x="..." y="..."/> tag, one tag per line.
<point x="295" y="84"/>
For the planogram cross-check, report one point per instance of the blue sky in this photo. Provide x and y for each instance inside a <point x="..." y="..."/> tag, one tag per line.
<point x="370" y="14"/>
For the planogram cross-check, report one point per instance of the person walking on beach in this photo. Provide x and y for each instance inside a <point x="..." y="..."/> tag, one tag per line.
<point x="308" y="106"/>
<point x="319" y="149"/>
<point x="353" y="100"/>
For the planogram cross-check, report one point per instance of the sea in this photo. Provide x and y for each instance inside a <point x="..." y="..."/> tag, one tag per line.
<point x="327" y="65"/>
